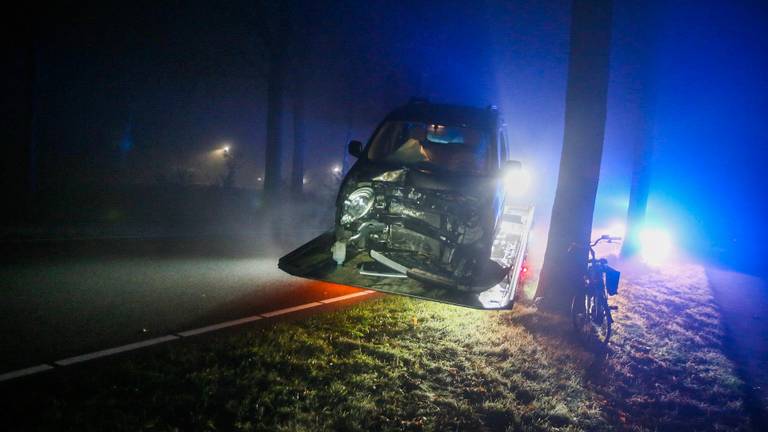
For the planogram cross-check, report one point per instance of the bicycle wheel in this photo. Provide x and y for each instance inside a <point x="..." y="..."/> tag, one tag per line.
<point x="601" y="319"/>
<point x="579" y="316"/>
<point x="590" y="318"/>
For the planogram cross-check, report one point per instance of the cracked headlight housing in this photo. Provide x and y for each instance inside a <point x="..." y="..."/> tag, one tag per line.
<point x="356" y="205"/>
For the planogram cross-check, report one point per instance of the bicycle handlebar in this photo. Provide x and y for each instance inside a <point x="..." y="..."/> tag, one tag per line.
<point x="608" y="238"/>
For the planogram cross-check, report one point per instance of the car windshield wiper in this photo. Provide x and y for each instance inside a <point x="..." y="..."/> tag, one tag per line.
<point x="431" y="166"/>
<point x="428" y="166"/>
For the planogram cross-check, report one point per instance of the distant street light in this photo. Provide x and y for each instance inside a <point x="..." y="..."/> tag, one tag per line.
<point x="225" y="152"/>
<point x="221" y="152"/>
<point x="336" y="169"/>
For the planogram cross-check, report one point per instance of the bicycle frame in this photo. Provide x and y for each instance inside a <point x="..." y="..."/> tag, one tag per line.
<point x="595" y="285"/>
<point x="591" y="304"/>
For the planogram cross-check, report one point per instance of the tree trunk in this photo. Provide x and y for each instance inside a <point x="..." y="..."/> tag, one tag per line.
<point x="585" y="111"/>
<point x="638" y="196"/>
<point x="299" y="136"/>
<point x="273" y="152"/>
<point x="642" y="146"/>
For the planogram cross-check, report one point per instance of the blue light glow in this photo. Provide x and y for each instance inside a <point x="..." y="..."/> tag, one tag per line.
<point x="656" y="246"/>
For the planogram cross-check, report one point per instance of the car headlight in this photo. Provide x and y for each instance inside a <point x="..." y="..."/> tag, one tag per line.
<point x="517" y="181"/>
<point x="356" y="205"/>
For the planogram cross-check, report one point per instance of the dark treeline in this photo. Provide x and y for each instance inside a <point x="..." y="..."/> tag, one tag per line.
<point x="104" y="94"/>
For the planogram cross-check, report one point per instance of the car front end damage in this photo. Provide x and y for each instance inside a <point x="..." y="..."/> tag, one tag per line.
<point x="407" y="232"/>
<point x="435" y="236"/>
<point x="424" y="212"/>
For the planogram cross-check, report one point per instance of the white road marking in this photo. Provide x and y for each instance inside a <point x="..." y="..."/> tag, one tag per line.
<point x="111" y="351"/>
<point x="345" y="297"/>
<point x="24" y="372"/>
<point x="219" y="326"/>
<point x="136" y="345"/>
<point x="291" y="309"/>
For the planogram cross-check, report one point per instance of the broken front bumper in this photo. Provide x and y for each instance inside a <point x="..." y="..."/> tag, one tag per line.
<point x="383" y="271"/>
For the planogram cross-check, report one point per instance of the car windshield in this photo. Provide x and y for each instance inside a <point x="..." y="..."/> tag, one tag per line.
<point x="444" y="148"/>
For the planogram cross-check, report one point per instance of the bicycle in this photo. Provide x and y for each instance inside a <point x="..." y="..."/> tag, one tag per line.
<point x="590" y="311"/>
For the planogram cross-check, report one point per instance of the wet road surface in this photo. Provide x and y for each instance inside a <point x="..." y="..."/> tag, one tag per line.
<point x="71" y="298"/>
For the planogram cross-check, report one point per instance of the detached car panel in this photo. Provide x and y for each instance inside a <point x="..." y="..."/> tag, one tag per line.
<point x="424" y="213"/>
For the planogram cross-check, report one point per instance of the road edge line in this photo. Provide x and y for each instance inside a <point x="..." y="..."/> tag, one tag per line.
<point x="24" y="372"/>
<point x="167" y="338"/>
<point x="291" y="309"/>
<point x="219" y="326"/>
<point x="116" y="350"/>
<point x="345" y="297"/>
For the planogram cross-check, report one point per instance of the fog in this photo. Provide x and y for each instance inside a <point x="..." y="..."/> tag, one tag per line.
<point x="131" y="105"/>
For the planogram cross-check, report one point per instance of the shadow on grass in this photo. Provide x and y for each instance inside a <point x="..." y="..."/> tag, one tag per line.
<point x="556" y="333"/>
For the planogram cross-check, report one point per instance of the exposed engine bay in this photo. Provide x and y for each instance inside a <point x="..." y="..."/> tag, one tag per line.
<point x="437" y="236"/>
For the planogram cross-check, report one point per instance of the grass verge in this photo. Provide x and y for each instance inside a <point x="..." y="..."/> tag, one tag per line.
<point x="400" y="364"/>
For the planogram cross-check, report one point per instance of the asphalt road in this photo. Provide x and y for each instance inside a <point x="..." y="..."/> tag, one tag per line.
<point x="68" y="298"/>
<point x="743" y="300"/>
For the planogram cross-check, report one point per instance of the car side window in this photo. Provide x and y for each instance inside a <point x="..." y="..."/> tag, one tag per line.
<point x="503" y="149"/>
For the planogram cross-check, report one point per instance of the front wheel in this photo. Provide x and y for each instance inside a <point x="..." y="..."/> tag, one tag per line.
<point x="590" y="318"/>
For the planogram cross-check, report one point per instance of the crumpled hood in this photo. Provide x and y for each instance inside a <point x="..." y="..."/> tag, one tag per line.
<point x="439" y="223"/>
<point x="471" y="186"/>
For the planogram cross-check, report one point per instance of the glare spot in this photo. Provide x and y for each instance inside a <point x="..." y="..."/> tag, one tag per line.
<point x="617" y="229"/>
<point x="517" y="182"/>
<point x="655" y="246"/>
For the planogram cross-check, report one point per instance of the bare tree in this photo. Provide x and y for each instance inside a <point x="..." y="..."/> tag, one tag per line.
<point x="299" y="136"/>
<point x="638" y="194"/>
<point x="298" y="64"/>
<point x="642" y="99"/>
<point x="281" y="30"/>
<point x="272" y="24"/>
<point x="585" y="112"/>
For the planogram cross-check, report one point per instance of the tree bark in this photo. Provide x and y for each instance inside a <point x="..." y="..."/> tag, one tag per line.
<point x="585" y="112"/>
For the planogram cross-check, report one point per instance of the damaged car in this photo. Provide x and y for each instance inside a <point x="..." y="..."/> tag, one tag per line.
<point x="430" y="209"/>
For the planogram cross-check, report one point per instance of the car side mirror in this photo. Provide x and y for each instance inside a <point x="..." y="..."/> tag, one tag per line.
<point x="512" y="166"/>
<point x="355" y="148"/>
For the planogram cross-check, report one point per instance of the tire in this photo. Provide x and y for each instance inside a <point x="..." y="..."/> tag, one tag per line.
<point x="579" y="318"/>
<point x="590" y="319"/>
<point x="604" y="333"/>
